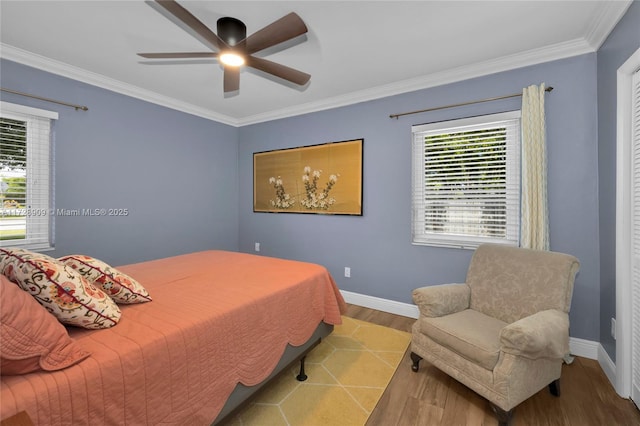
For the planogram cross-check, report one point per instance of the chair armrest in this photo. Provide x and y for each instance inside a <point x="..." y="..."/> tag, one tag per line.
<point x="544" y="334"/>
<point x="444" y="299"/>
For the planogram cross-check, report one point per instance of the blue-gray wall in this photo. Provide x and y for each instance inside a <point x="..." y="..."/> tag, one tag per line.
<point x="377" y="246"/>
<point x="619" y="46"/>
<point x="187" y="181"/>
<point x="174" y="172"/>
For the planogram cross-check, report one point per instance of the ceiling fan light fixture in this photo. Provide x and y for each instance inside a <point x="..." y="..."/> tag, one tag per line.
<point x="231" y="59"/>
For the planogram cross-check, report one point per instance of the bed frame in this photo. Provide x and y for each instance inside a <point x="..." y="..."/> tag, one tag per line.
<point x="241" y="395"/>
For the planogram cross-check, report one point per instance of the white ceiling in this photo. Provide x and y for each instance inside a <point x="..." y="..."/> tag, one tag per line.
<point x="354" y="50"/>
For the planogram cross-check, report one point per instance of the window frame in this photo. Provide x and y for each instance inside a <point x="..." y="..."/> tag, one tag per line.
<point x="420" y="236"/>
<point x="39" y="173"/>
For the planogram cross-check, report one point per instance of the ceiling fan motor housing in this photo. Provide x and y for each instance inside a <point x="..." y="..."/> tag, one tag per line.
<point x="231" y="30"/>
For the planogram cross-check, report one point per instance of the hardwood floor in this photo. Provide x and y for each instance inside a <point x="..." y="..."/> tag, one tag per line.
<point x="430" y="397"/>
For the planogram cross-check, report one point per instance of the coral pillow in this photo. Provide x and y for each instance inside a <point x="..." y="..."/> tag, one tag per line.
<point x="60" y="289"/>
<point x="120" y="287"/>
<point x="32" y="338"/>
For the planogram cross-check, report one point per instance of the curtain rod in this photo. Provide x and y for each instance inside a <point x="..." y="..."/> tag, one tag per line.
<point x="548" y="89"/>
<point x="15" y="92"/>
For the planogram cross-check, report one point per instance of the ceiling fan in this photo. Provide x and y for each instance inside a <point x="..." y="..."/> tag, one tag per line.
<point x="233" y="48"/>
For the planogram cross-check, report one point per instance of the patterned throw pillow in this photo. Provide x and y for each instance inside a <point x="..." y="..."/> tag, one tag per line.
<point x="120" y="287"/>
<point x="60" y="289"/>
<point x="32" y="339"/>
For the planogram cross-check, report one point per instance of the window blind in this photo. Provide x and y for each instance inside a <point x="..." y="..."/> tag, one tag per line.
<point x="25" y="176"/>
<point x="466" y="181"/>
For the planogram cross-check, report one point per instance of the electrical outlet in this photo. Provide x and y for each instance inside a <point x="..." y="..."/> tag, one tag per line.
<point x="613" y="328"/>
<point x="347" y="272"/>
<point x="257" y="246"/>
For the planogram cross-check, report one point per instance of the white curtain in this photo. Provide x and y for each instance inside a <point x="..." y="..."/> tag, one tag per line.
<point x="534" y="228"/>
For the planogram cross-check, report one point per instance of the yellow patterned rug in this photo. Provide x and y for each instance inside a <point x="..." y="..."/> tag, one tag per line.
<point x="348" y="372"/>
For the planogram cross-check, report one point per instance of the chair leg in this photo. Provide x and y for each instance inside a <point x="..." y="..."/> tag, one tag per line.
<point x="416" y="361"/>
<point x="554" y="387"/>
<point x="504" y="417"/>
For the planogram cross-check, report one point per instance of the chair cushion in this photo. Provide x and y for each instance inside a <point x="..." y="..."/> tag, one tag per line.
<point x="471" y="334"/>
<point x="511" y="283"/>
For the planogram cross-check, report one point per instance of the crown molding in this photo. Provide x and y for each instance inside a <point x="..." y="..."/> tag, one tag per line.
<point x="605" y="21"/>
<point x="518" y="60"/>
<point x="505" y="63"/>
<point x="60" y="68"/>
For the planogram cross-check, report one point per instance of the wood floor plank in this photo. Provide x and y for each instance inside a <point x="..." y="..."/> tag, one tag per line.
<point x="418" y="413"/>
<point x="431" y="398"/>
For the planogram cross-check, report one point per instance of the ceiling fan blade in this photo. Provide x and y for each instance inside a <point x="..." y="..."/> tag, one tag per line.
<point x="279" y="31"/>
<point x="178" y="55"/>
<point x="279" y="70"/>
<point x="182" y="14"/>
<point x="231" y="79"/>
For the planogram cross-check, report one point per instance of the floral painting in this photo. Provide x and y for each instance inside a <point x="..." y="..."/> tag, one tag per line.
<point x="324" y="179"/>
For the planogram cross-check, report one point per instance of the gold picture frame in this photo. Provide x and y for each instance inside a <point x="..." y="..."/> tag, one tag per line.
<point x="319" y="179"/>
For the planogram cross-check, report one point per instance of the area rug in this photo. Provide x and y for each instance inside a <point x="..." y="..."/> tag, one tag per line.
<point x="347" y="374"/>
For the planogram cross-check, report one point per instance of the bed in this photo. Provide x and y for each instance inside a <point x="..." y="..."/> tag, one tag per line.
<point x="220" y="325"/>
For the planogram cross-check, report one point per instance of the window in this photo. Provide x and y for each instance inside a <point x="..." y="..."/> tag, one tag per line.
<point x="25" y="192"/>
<point x="466" y="181"/>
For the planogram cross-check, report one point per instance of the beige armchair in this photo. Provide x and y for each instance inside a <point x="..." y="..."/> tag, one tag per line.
<point x="503" y="333"/>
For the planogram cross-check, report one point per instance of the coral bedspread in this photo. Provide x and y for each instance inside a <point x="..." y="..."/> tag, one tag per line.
<point x="217" y="318"/>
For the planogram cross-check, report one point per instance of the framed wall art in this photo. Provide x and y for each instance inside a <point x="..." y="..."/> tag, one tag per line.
<point x="320" y="179"/>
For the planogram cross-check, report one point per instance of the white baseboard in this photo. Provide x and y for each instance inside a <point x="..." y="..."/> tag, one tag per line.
<point x="379" y="304"/>
<point x="583" y="348"/>
<point x="580" y="347"/>
<point x="607" y="365"/>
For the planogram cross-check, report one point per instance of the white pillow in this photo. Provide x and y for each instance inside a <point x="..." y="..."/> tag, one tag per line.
<point x="60" y="289"/>
<point x="120" y="287"/>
